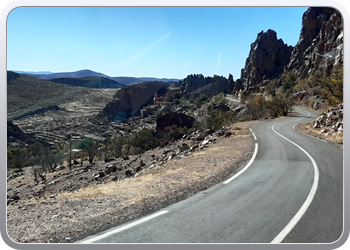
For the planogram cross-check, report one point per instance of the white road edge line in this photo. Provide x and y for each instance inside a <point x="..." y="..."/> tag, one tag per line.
<point x="253" y="133"/>
<point x="279" y="238"/>
<point x="308" y="135"/>
<point x="246" y="167"/>
<point x="125" y="227"/>
<point x="314" y="137"/>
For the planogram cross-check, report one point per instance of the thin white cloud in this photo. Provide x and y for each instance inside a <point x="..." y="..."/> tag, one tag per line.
<point x="144" y="50"/>
<point x="219" y="59"/>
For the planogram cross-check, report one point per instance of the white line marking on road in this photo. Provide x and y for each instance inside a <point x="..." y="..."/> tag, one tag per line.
<point x="307" y="134"/>
<point x="314" y="137"/>
<point x="126" y="227"/>
<point x="246" y="167"/>
<point x="279" y="238"/>
<point x="253" y="133"/>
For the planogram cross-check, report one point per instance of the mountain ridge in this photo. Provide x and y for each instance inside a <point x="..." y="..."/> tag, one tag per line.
<point x="125" y="80"/>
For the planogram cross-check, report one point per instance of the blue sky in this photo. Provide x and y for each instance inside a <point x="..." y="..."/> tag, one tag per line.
<point x="170" y="42"/>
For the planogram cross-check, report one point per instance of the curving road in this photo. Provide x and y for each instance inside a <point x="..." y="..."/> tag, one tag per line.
<point x="291" y="191"/>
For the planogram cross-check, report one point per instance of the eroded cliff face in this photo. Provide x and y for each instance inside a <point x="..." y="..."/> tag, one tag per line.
<point x="267" y="58"/>
<point x="128" y="101"/>
<point x="320" y="45"/>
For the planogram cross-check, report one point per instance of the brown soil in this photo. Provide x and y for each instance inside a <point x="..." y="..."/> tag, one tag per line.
<point x="74" y="204"/>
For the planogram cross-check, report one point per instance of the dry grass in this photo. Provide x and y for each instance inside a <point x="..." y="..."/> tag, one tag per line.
<point x="327" y="134"/>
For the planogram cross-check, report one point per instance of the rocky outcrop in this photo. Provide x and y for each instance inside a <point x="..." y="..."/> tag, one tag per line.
<point x="198" y="84"/>
<point x="332" y="119"/>
<point x="320" y="46"/>
<point x="267" y="58"/>
<point x="128" y="101"/>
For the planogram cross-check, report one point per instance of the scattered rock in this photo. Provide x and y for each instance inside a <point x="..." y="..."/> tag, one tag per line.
<point x="110" y="169"/>
<point x="331" y="119"/>
<point x="129" y="173"/>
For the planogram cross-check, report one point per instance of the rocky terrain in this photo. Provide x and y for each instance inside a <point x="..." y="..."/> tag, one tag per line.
<point x="198" y="84"/>
<point x="332" y="119"/>
<point x="320" y="47"/>
<point x="267" y="58"/>
<point x="328" y="126"/>
<point x="128" y="101"/>
<point x="69" y="205"/>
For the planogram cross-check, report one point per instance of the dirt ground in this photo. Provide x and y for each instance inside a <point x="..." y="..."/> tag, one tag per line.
<point x="73" y="204"/>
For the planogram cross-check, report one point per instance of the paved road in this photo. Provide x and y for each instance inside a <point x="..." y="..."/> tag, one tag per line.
<point x="291" y="192"/>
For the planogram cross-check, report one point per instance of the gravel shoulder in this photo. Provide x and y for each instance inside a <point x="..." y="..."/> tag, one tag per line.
<point x="59" y="213"/>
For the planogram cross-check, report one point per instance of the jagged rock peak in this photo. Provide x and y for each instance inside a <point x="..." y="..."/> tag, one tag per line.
<point x="320" y="45"/>
<point x="198" y="84"/>
<point x="267" y="58"/>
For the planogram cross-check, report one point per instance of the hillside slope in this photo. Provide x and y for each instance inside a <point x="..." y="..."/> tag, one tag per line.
<point x="23" y="93"/>
<point x="90" y="82"/>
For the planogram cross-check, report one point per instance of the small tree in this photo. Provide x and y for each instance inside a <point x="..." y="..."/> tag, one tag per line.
<point x="17" y="158"/>
<point x="89" y="147"/>
<point x="218" y="118"/>
<point x="256" y="108"/>
<point x="278" y="106"/>
<point x="176" y="101"/>
<point x="332" y="86"/>
<point x="116" y="146"/>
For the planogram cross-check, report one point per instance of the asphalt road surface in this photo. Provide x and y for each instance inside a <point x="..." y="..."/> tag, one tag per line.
<point x="290" y="191"/>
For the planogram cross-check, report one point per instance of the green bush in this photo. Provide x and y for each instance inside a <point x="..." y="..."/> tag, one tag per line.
<point x="218" y="118"/>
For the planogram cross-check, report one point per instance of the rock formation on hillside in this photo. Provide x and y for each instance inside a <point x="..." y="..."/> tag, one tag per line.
<point x="320" y="45"/>
<point x="198" y="84"/>
<point x="267" y="58"/>
<point x="128" y="101"/>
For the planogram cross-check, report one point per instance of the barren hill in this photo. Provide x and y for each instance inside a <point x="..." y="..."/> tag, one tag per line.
<point x="23" y="93"/>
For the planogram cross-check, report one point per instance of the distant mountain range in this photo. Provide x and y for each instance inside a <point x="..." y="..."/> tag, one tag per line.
<point x="90" y="82"/>
<point x="124" y="80"/>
